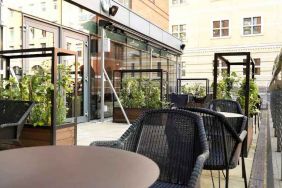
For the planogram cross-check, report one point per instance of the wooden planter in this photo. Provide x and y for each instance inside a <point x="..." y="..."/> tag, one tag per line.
<point x="42" y="135"/>
<point x="250" y="132"/>
<point x="132" y="114"/>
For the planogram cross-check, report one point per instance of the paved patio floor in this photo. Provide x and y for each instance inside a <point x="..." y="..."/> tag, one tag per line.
<point x="93" y="131"/>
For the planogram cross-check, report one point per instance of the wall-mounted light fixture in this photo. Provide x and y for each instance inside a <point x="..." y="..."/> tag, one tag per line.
<point x="113" y="10"/>
<point x="182" y="46"/>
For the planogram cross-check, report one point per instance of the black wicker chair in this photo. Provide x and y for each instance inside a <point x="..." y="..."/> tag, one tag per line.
<point x="174" y="139"/>
<point x="12" y="118"/>
<point x="225" y="105"/>
<point x="179" y="100"/>
<point x="225" y="144"/>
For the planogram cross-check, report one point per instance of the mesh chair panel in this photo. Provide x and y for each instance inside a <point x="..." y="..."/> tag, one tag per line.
<point x="179" y="100"/>
<point x="12" y="111"/>
<point x="160" y="184"/>
<point x="219" y="133"/>
<point x="223" y="105"/>
<point x="172" y="141"/>
<point x="12" y="117"/>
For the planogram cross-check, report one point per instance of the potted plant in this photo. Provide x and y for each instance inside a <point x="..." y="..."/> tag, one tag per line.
<point x="197" y="91"/>
<point x="38" y="87"/>
<point x="226" y="87"/>
<point x="137" y="95"/>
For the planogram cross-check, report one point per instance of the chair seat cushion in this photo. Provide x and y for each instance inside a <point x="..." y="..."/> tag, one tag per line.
<point x="160" y="184"/>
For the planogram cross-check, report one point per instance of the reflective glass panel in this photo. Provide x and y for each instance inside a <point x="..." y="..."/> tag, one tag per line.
<point x="46" y="9"/>
<point x="78" y="18"/>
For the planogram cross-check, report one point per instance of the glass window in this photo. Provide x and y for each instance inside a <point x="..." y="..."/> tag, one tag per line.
<point x="175" y="28"/>
<point x="252" y="25"/>
<point x="174" y="2"/>
<point x="257" y="66"/>
<point x="79" y="19"/>
<point x="179" y="31"/>
<point x="43" y="6"/>
<point x="43" y="9"/>
<point x="221" y="28"/>
<point x="12" y="33"/>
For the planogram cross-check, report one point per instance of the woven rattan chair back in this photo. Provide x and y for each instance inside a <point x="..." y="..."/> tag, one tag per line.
<point x="224" y="105"/>
<point x="12" y="116"/>
<point x="222" y="139"/>
<point x="172" y="139"/>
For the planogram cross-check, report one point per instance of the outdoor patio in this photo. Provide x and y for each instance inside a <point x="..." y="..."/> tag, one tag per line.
<point x="97" y="131"/>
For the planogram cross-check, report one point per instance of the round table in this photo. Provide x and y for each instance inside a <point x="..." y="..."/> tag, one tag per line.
<point x="231" y="115"/>
<point x="75" y="166"/>
<point x="234" y="119"/>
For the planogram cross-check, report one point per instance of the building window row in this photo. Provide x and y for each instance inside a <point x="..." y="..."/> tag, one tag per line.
<point x="251" y="26"/>
<point x="177" y="2"/>
<point x="220" y="28"/>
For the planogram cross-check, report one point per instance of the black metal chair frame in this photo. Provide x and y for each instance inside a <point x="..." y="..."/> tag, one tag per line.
<point x="239" y="137"/>
<point x="19" y="123"/>
<point x="130" y="141"/>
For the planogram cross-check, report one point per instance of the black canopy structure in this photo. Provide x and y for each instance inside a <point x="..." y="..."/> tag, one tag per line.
<point x="181" y="80"/>
<point x="246" y="61"/>
<point x="156" y="74"/>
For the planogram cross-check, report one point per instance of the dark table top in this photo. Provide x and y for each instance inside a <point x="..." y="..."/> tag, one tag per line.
<point x="75" y="167"/>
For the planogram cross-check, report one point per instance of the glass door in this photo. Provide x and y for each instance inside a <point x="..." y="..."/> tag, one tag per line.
<point x="38" y="34"/>
<point x="78" y="42"/>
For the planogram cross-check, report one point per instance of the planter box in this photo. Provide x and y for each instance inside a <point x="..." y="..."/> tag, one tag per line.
<point x="42" y="135"/>
<point x="250" y="132"/>
<point x="132" y="114"/>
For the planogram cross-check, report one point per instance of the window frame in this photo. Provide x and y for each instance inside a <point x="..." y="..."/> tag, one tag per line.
<point x="252" y="26"/>
<point x="178" y="2"/>
<point x="220" y="28"/>
<point x="178" y="32"/>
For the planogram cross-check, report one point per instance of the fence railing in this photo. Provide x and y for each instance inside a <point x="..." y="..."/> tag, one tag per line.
<point x="275" y="89"/>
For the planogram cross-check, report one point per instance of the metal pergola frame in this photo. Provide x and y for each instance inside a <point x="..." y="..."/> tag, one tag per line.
<point x="178" y="83"/>
<point x="249" y="64"/>
<point x="161" y="71"/>
<point x="54" y="53"/>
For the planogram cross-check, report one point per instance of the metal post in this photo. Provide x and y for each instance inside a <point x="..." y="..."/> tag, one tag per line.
<point x="114" y="91"/>
<point x="215" y="64"/>
<point x="102" y="103"/>
<point x="151" y="62"/>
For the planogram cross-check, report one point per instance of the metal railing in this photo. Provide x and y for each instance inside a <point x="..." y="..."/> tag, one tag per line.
<point x="275" y="88"/>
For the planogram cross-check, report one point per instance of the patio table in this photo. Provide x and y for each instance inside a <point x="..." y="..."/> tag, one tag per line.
<point x="75" y="166"/>
<point x="234" y="119"/>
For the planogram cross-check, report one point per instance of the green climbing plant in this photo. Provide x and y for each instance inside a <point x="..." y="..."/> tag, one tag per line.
<point x="141" y="93"/>
<point x="195" y="89"/>
<point x="38" y="87"/>
<point x="253" y="96"/>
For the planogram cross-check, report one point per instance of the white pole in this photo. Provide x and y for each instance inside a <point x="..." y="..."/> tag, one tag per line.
<point x="114" y="91"/>
<point x="102" y="103"/>
<point x="151" y="63"/>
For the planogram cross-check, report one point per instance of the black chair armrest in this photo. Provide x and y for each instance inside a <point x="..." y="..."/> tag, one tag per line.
<point x="200" y="161"/>
<point x="111" y="144"/>
<point x="9" y="125"/>
<point x="243" y="135"/>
